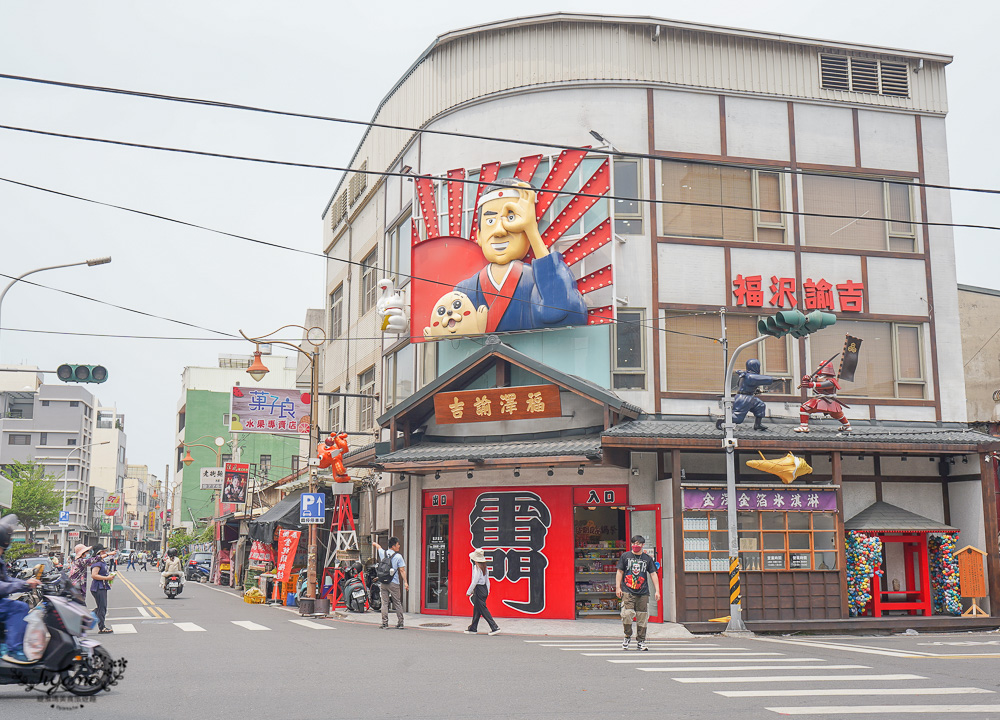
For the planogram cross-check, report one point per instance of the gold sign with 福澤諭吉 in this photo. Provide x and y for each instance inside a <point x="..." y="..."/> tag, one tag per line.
<point x="497" y="404"/>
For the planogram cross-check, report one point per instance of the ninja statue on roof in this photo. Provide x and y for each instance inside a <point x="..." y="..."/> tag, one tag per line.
<point x="825" y="385"/>
<point x="746" y="400"/>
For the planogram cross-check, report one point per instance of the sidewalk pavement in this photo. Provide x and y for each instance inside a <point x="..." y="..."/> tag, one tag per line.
<point x="610" y="627"/>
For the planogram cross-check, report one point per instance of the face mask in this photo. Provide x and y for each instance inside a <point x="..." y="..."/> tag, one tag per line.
<point x="636" y="548"/>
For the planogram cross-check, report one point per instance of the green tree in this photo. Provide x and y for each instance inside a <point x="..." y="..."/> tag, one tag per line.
<point x="36" y="501"/>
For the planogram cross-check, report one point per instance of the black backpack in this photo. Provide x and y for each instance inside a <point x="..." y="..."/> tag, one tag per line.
<point x="384" y="571"/>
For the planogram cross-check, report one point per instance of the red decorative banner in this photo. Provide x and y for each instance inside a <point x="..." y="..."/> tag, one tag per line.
<point x="288" y="543"/>
<point x="817" y="295"/>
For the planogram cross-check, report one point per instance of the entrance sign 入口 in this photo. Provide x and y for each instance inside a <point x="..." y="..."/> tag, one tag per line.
<point x="269" y="410"/>
<point x="312" y="508"/>
<point x="497" y="404"/>
<point x="211" y="478"/>
<point x="613" y="495"/>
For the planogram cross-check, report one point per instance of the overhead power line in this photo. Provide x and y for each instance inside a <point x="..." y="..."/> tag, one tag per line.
<point x="447" y="133"/>
<point x="121" y="307"/>
<point x="259" y="242"/>
<point x="466" y="181"/>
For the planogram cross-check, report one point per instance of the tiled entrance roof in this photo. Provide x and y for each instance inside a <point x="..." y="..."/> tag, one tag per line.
<point x="883" y="517"/>
<point x="574" y="445"/>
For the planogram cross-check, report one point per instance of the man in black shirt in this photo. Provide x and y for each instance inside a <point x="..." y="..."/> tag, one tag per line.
<point x="636" y="568"/>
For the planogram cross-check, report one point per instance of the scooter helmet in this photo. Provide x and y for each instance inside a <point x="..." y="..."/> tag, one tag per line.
<point x="172" y="552"/>
<point x="7" y="525"/>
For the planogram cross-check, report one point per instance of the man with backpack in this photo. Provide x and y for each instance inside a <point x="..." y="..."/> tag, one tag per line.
<point x="391" y="567"/>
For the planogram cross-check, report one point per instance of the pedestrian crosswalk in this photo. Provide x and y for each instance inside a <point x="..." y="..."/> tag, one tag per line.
<point x="747" y="670"/>
<point x="131" y="629"/>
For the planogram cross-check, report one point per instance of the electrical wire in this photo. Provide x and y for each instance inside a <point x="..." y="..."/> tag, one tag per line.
<point x="615" y="152"/>
<point x="467" y="181"/>
<point x="246" y="238"/>
<point x="122" y="307"/>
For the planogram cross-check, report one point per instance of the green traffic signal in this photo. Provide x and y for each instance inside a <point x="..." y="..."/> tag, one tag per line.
<point x="796" y="323"/>
<point x="82" y="373"/>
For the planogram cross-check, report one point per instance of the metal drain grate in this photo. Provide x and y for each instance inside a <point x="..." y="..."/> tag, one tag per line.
<point x="435" y="625"/>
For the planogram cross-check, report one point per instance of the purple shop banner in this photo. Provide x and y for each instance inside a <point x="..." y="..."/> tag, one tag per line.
<point x="777" y="499"/>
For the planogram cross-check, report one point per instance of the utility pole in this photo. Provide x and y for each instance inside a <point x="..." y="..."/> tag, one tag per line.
<point x="736" y="625"/>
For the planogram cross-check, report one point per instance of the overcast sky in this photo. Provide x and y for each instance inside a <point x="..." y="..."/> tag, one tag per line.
<point x="327" y="58"/>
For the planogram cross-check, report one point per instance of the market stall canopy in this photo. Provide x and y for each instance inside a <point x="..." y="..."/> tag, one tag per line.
<point x="286" y="514"/>
<point x="883" y="517"/>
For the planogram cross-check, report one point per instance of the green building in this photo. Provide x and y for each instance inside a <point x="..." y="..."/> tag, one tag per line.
<point x="203" y="432"/>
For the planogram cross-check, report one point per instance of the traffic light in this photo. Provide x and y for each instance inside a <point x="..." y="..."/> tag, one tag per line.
<point x="82" y="373"/>
<point x="795" y="322"/>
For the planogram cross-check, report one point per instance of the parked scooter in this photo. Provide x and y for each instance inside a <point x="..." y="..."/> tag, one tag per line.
<point x="69" y="659"/>
<point x="353" y="590"/>
<point x="374" y="589"/>
<point x="173" y="585"/>
<point x="199" y="573"/>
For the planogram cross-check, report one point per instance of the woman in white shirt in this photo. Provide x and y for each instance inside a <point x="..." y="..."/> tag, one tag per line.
<point x="478" y="591"/>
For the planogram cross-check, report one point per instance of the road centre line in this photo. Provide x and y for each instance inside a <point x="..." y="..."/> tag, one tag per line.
<point x="847" y="648"/>
<point x="641" y="659"/>
<point x="800" y="678"/>
<point x="829" y="692"/>
<point x="892" y="709"/>
<point x="681" y="654"/>
<point x="137" y="592"/>
<point x="755" y="667"/>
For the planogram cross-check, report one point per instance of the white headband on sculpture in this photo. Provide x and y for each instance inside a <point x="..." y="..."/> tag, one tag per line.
<point x="497" y="194"/>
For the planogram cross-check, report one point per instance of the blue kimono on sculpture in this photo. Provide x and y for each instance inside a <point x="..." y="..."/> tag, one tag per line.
<point x="536" y="295"/>
<point x="746" y="400"/>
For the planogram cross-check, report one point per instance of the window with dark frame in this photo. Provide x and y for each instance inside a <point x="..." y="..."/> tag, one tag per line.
<point x="629" y="357"/>
<point x="18" y="439"/>
<point x="369" y="283"/>
<point x="851" y="200"/>
<point x="706" y="201"/>
<point x="334" y="414"/>
<point x="366" y="405"/>
<point x="628" y="213"/>
<point x="336" y="312"/>
<point x="43" y="438"/>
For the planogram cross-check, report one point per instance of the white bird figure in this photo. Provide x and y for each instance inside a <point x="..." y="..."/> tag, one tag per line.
<point x="391" y="308"/>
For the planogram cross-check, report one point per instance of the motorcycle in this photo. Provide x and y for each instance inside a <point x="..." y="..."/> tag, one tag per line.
<point x="199" y="573"/>
<point x="353" y="590"/>
<point x="374" y="589"/>
<point x="173" y="585"/>
<point x="69" y="659"/>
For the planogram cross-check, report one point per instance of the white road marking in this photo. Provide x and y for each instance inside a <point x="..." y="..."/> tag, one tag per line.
<point x="853" y="691"/>
<point x="190" y="627"/>
<point x="311" y="624"/>
<point x="893" y="709"/>
<point x="755" y="667"/>
<point x="680" y="654"/>
<point x="144" y="612"/>
<point x="611" y="641"/>
<point x="640" y="659"/>
<point x="249" y="625"/>
<point x="124" y="629"/>
<point x="799" y="678"/>
<point x="848" y="648"/>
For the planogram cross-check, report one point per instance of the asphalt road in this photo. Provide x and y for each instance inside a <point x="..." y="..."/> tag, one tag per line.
<point x="208" y="654"/>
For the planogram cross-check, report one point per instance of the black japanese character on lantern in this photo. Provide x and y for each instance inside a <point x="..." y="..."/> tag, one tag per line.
<point x="511" y="528"/>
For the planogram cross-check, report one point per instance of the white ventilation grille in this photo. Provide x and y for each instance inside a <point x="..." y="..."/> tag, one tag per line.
<point x="864" y="75"/>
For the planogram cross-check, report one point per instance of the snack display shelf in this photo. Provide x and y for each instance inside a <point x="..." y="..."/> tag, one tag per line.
<point x="584" y="613"/>
<point x="591" y="572"/>
<point x="606" y="594"/>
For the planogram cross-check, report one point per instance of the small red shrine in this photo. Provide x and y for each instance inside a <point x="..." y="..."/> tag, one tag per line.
<point x="892" y="524"/>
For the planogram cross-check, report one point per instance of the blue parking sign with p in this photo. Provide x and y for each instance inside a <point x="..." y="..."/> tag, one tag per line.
<point x="63" y="516"/>
<point x="312" y="508"/>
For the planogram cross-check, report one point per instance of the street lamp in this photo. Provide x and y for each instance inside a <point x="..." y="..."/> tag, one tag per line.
<point x="62" y="541"/>
<point x="90" y="263"/>
<point x="315" y="336"/>
<point x="219" y="442"/>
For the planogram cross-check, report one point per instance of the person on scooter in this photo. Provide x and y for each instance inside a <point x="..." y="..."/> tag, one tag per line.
<point x="172" y="565"/>
<point x="12" y="612"/>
